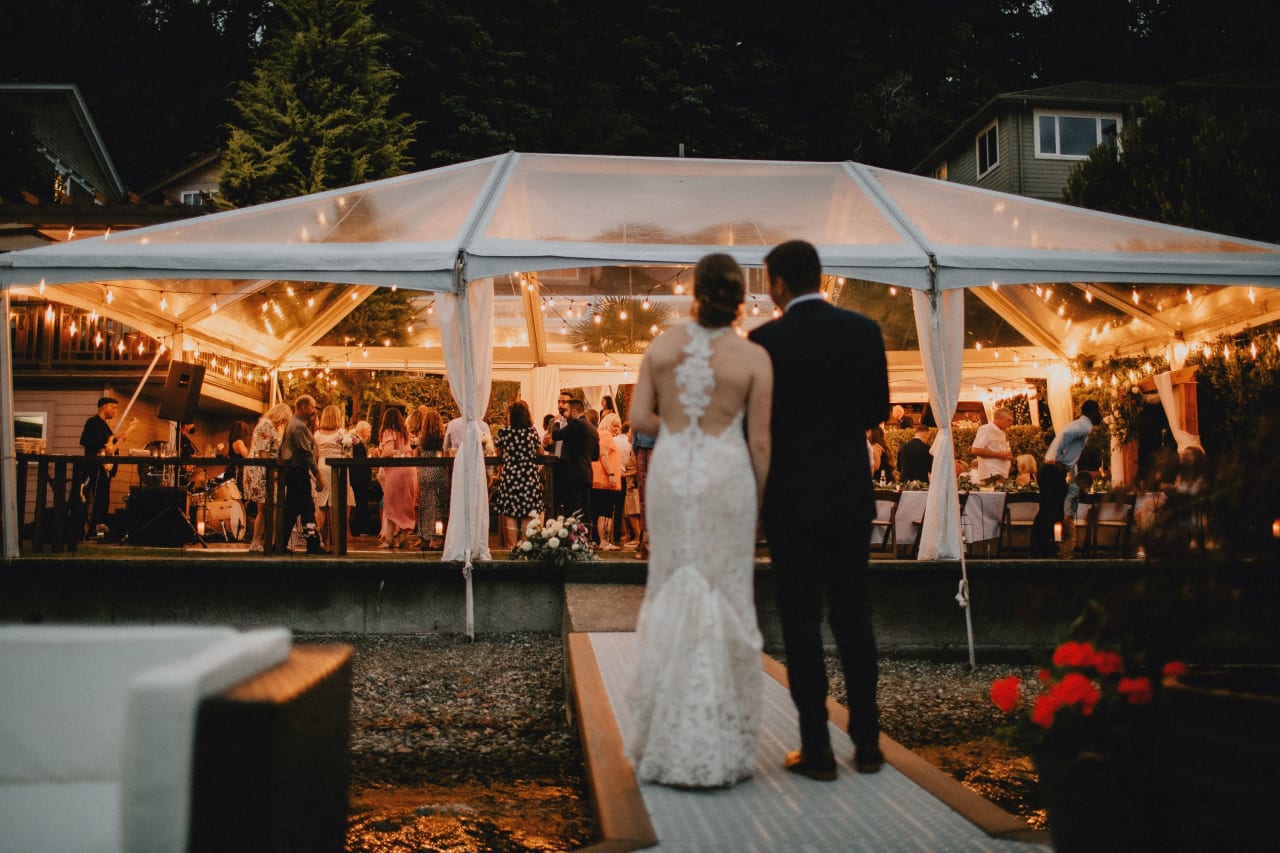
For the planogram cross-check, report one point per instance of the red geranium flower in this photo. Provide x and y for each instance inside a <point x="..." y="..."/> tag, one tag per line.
<point x="1075" y="689"/>
<point x="1108" y="663"/>
<point x="1174" y="668"/>
<point x="1074" y="654"/>
<point x="1045" y="708"/>
<point x="1004" y="692"/>
<point x="1136" y="690"/>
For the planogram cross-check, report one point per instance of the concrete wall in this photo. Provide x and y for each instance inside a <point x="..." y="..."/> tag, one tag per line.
<point x="1018" y="607"/>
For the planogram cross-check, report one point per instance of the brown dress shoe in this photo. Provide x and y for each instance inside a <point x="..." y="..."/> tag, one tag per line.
<point x="821" y="768"/>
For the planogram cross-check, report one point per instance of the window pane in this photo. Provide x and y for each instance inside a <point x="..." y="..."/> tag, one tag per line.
<point x="1048" y="135"/>
<point x="1079" y="135"/>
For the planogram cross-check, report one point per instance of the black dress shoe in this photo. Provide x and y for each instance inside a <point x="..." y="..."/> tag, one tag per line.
<point x="821" y="768"/>
<point x="868" y="759"/>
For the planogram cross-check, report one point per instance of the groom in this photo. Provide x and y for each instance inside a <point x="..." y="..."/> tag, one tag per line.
<point x="818" y="500"/>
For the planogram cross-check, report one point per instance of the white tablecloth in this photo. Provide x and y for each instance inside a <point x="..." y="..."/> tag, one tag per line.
<point x="980" y="522"/>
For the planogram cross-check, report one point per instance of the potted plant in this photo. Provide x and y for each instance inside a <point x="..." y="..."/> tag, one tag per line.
<point x="1089" y="724"/>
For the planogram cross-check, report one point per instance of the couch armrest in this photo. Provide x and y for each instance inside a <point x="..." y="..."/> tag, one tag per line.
<point x="271" y="762"/>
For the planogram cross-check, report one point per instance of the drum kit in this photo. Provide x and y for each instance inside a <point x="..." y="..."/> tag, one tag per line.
<point x="217" y="507"/>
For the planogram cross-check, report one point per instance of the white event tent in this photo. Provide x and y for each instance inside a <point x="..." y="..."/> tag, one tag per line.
<point x="263" y="284"/>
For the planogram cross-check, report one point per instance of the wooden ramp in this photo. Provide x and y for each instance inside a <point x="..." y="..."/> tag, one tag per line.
<point x="907" y="806"/>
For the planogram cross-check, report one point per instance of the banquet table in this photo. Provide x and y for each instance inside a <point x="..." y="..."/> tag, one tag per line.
<point x="980" y="522"/>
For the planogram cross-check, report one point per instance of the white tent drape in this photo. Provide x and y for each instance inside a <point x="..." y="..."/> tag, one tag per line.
<point x="466" y="335"/>
<point x="540" y="389"/>
<point x="1058" y="380"/>
<point x="941" y="333"/>
<point x="1172" y="404"/>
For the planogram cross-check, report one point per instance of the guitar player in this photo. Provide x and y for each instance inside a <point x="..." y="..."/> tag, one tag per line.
<point x="97" y="439"/>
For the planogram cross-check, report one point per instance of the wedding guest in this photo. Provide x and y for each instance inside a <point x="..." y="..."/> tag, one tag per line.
<point x="329" y="437"/>
<point x="298" y="456"/>
<point x="238" y="438"/>
<point x="399" y="485"/>
<point x="264" y="444"/>
<point x="991" y="448"/>
<point x="519" y="494"/>
<point x="579" y="447"/>
<point x="1059" y="466"/>
<point x="882" y="463"/>
<point x="621" y="437"/>
<point x="361" y="479"/>
<point x="914" y="461"/>
<point x="1070" y="509"/>
<point x="608" y="414"/>
<point x="433" y="480"/>
<point x="606" y="485"/>
<point x="1026" y="469"/>
<point x="642" y="448"/>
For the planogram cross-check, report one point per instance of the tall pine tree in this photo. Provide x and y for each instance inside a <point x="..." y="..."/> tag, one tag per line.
<point x="316" y="114"/>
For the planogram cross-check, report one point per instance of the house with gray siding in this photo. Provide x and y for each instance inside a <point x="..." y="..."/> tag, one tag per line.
<point x="1028" y="142"/>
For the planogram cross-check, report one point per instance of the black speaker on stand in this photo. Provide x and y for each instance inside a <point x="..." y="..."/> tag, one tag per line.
<point x="182" y="392"/>
<point x="157" y="517"/>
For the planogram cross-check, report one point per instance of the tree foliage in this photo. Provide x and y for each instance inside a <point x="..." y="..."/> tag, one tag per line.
<point x="316" y="114"/>
<point x="1192" y="163"/>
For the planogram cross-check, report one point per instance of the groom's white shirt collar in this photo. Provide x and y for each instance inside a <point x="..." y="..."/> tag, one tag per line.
<point x="804" y="297"/>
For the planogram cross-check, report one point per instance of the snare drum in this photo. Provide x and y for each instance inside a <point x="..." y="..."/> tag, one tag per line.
<point x="225" y="519"/>
<point x="226" y="491"/>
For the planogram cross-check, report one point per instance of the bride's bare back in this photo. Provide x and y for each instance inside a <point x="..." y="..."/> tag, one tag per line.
<point x="743" y="380"/>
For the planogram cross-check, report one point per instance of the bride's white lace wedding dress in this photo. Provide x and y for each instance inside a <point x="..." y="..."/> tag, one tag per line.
<point x="695" y="699"/>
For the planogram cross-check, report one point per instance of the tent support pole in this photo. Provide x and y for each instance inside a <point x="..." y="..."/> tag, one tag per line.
<point x="8" y="454"/>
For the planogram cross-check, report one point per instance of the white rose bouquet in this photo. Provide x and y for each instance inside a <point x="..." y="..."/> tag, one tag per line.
<point x="557" y="541"/>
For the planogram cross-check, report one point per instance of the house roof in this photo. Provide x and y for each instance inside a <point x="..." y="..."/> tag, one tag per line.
<point x="63" y="126"/>
<point x="1077" y="95"/>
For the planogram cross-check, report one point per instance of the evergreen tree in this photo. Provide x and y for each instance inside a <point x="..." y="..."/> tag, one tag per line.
<point x="316" y="114"/>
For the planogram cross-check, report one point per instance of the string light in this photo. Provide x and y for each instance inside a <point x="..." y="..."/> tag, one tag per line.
<point x="164" y="303"/>
<point x="1252" y="298"/>
<point x="41" y="288"/>
<point x="111" y="297"/>
<point x="213" y="309"/>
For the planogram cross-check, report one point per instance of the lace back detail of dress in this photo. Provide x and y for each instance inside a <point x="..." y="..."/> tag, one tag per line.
<point x="694" y="377"/>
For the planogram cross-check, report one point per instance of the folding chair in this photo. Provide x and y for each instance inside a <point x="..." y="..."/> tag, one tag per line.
<point x="1020" y="509"/>
<point x="884" y="535"/>
<point x="1112" y="525"/>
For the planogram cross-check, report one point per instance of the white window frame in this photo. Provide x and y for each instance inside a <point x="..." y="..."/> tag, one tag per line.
<point x="1097" y="124"/>
<point x="977" y="149"/>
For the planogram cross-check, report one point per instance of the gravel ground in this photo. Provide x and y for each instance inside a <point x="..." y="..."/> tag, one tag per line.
<point x="459" y="745"/>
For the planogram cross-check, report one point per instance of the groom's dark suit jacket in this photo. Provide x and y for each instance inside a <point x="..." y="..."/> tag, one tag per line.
<point x="830" y="384"/>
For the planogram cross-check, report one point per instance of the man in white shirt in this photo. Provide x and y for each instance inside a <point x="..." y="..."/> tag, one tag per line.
<point x="991" y="448"/>
<point x="453" y="437"/>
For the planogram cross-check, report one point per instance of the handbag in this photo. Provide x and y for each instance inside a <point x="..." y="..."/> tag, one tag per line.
<point x="631" y="503"/>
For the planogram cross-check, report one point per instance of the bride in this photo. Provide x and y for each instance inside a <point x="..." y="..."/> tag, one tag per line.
<point x="695" y="699"/>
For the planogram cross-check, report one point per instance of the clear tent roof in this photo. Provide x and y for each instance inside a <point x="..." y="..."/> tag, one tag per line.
<point x="268" y="283"/>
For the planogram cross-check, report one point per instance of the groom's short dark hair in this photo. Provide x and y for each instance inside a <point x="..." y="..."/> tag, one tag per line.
<point x="795" y="262"/>
<point x="577" y="405"/>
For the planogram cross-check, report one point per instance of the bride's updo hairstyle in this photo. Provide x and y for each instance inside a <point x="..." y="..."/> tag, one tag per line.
<point x="718" y="290"/>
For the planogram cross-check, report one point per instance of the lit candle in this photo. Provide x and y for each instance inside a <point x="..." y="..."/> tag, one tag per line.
<point x="440" y="528"/>
<point x="1057" y="531"/>
<point x="199" y="528"/>
<point x="1275" y="528"/>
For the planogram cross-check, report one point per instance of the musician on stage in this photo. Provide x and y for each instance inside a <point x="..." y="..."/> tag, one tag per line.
<point x="94" y="480"/>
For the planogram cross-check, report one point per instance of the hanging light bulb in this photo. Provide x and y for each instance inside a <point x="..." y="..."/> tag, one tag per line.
<point x="893" y="291"/>
<point x="311" y="302"/>
<point x="213" y="308"/>
<point x="97" y="339"/>
<point x="1135" y="296"/>
<point x="164" y="303"/>
<point x="41" y="288"/>
<point x="1252" y="298"/>
<point x="607" y="362"/>
<point x="679" y="289"/>
<point x="120" y="347"/>
<point x="364" y="351"/>
<point x="755" y="309"/>
<point x="1226" y="353"/>
<point x="73" y="329"/>
<point x="978" y="345"/>
<point x="645" y="305"/>
<point x="1188" y="296"/>
<point x="93" y="316"/>
<point x="996" y="353"/>
<point x="1062" y="309"/>
<point x="111" y="297"/>
<point x="142" y="348"/>
<point x="597" y="319"/>
<point x="1088" y="296"/>
<point x="622" y="313"/>
<point x="1253" y="349"/>
<point x="354" y="296"/>
<point x="48" y="313"/>
<point x="653" y="330"/>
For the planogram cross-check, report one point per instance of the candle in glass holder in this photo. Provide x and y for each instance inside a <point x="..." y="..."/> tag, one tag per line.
<point x="1057" y="531"/>
<point x="439" y="528"/>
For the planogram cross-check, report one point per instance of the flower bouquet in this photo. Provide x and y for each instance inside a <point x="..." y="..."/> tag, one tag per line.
<point x="557" y="541"/>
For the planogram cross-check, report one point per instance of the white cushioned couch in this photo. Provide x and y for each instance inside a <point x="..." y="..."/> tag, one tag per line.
<point x="98" y="730"/>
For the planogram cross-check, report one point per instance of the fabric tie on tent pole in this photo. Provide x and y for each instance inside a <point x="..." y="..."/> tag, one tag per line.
<point x="471" y="601"/>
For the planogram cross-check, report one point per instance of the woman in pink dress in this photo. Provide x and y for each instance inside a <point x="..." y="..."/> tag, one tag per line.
<point x="399" y="485"/>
